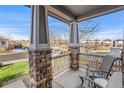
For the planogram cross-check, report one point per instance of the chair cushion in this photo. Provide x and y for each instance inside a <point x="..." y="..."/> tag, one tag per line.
<point x="101" y="81"/>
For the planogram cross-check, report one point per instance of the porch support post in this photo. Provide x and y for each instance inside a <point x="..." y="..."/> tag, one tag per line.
<point x="122" y="56"/>
<point x="74" y="46"/>
<point x="40" y="68"/>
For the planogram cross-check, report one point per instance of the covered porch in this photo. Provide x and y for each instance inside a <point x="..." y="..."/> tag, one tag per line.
<point x="65" y="77"/>
<point x="46" y="71"/>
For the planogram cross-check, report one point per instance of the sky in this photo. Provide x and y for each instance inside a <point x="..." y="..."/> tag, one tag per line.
<point x="59" y="28"/>
<point x="111" y="26"/>
<point x="15" y="24"/>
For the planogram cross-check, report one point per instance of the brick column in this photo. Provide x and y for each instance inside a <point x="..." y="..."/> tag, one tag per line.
<point x="74" y="46"/>
<point x="40" y="65"/>
<point x="40" y="69"/>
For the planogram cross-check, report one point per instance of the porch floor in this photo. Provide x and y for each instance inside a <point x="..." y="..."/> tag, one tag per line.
<point x="66" y="79"/>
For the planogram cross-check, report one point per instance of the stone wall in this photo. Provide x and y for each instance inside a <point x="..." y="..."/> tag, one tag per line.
<point x="74" y="57"/>
<point x="40" y="69"/>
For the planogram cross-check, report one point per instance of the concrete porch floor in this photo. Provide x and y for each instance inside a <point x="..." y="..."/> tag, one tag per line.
<point x="66" y="79"/>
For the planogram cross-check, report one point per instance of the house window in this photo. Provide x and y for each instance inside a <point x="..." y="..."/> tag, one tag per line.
<point x="3" y="43"/>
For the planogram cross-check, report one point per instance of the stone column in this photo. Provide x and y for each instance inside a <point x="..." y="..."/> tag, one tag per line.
<point x="74" y="46"/>
<point x="40" y="67"/>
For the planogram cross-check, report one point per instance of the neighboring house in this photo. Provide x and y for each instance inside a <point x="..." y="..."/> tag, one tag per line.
<point x="58" y="42"/>
<point x="118" y="43"/>
<point x="86" y="43"/>
<point x="3" y="42"/>
<point x="97" y="42"/>
<point x="107" y="43"/>
<point x="24" y="43"/>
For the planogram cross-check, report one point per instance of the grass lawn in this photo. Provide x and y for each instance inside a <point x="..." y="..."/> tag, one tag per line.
<point x="13" y="71"/>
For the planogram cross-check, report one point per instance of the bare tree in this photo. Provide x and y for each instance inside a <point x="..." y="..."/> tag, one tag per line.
<point x="87" y="29"/>
<point x="86" y="33"/>
<point x="52" y="34"/>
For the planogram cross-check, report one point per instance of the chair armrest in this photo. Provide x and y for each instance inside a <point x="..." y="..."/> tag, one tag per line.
<point x="99" y="71"/>
<point x="117" y="59"/>
<point x="91" y="83"/>
<point x="103" y="73"/>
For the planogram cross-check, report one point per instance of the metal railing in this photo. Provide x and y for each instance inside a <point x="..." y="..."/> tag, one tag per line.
<point x="117" y="66"/>
<point x="60" y="63"/>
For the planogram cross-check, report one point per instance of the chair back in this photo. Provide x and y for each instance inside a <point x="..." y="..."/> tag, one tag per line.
<point x="116" y="52"/>
<point x="107" y="63"/>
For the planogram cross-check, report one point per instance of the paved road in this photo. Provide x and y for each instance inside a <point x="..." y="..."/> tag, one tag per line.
<point x="11" y="58"/>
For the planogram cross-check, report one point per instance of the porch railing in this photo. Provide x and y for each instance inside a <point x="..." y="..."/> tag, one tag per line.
<point x="91" y="59"/>
<point x="94" y="62"/>
<point x="60" y="63"/>
<point x="117" y="66"/>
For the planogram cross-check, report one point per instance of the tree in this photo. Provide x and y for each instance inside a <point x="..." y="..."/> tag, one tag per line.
<point x="97" y="44"/>
<point x="52" y="35"/>
<point x="55" y="34"/>
<point x="87" y="31"/>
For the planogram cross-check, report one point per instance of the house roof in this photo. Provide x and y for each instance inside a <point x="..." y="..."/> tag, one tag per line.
<point x="107" y="40"/>
<point x="119" y="40"/>
<point x="3" y="38"/>
<point x="96" y="40"/>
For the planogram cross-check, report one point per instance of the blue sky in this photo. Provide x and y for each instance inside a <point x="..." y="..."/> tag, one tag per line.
<point x="15" y="21"/>
<point x="15" y="24"/>
<point x="111" y="26"/>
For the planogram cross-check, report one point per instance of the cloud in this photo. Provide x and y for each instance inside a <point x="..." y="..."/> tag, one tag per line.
<point x="15" y="33"/>
<point x="109" y="34"/>
<point x="19" y="37"/>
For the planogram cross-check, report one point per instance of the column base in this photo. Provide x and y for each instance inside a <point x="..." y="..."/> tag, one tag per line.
<point x="74" y="57"/>
<point x="40" y="69"/>
<point x="32" y="84"/>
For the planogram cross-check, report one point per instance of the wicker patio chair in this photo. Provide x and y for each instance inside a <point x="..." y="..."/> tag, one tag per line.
<point x="104" y="69"/>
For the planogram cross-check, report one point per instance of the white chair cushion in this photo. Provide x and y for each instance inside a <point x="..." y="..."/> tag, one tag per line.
<point x="101" y="81"/>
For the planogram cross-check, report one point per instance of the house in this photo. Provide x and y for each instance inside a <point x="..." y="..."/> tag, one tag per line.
<point x="3" y="42"/>
<point x="118" y="43"/>
<point x="107" y="43"/>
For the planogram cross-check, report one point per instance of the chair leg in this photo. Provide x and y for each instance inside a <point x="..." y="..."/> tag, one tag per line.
<point x="82" y="81"/>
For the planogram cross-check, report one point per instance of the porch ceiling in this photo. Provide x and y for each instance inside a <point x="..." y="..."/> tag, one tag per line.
<point x="69" y="13"/>
<point x="78" y="13"/>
